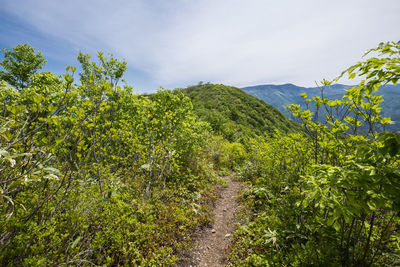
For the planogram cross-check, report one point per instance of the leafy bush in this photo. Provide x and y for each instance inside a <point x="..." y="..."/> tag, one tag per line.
<point x="329" y="198"/>
<point x="92" y="174"/>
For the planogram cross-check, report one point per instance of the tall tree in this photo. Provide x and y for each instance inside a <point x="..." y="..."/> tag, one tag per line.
<point x="19" y="64"/>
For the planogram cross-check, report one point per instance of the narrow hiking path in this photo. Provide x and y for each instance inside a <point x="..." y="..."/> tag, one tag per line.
<point x="213" y="243"/>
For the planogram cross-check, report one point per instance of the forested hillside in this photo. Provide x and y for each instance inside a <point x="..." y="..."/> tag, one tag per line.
<point x="235" y="114"/>
<point x="92" y="174"/>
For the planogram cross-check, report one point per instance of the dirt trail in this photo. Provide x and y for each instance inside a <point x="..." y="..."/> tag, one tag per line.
<point x="213" y="243"/>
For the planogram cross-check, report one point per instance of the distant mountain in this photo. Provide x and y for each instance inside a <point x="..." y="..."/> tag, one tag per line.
<point x="281" y="95"/>
<point x="236" y="114"/>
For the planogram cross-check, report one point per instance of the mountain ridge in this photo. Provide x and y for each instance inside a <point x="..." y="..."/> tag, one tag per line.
<point x="284" y="94"/>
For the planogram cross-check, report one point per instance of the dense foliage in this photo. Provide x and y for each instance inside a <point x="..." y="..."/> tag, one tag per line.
<point x="92" y="174"/>
<point x="235" y="114"/>
<point x="330" y="196"/>
<point x="19" y="64"/>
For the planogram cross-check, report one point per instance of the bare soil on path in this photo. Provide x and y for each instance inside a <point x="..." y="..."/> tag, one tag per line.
<point x="214" y="243"/>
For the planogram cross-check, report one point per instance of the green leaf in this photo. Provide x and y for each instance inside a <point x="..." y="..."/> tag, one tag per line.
<point x="76" y="241"/>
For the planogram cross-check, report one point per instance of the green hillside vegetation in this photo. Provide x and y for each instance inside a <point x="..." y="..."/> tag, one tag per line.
<point x="92" y="174"/>
<point x="330" y="197"/>
<point x="236" y="114"/>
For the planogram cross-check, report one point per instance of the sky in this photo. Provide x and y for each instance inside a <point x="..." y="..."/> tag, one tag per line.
<point x="177" y="43"/>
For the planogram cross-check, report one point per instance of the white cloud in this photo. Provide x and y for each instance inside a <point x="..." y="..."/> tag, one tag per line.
<point x="229" y="41"/>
